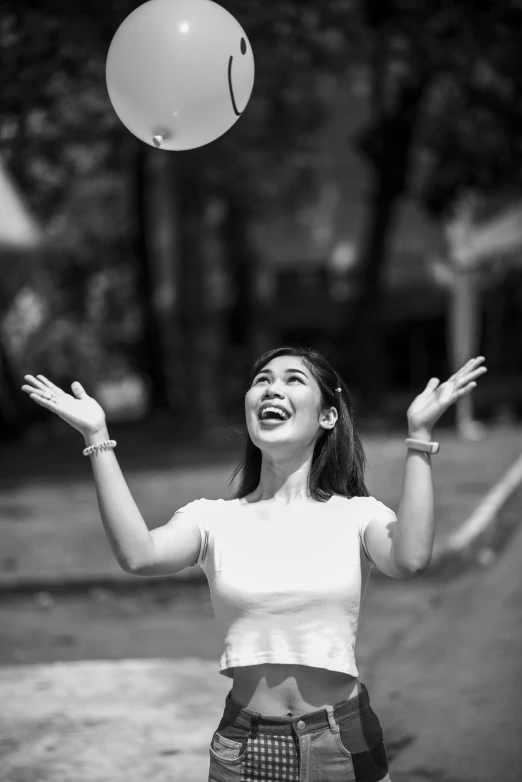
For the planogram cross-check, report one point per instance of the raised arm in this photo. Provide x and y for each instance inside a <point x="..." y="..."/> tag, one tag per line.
<point x="403" y="549"/>
<point x="138" y="550"/>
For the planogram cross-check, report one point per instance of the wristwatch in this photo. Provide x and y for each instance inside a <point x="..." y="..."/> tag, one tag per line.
<point x="422" y="445"/>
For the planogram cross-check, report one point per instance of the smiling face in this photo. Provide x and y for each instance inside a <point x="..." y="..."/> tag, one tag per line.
<point x="243" y="49"/>
<point x="283" y="406"/>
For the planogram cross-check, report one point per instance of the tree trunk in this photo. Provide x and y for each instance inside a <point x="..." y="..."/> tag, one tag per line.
<point x="14" y="414"/>
<point x="204" y="296"/>
<point x="463" y="342"/>
<point x="249" y="330"/>
<point x="368" y="322"/>
<point x="463" y="322"/>
<point x="388" y="142"/>
<point x="159" y="253"/>
<point x="242" y="273"/>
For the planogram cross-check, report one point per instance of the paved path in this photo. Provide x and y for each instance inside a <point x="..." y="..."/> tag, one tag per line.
<point x="447" y="691"/>
<point x="454" y="685"/>
<point x="445" y="684"/>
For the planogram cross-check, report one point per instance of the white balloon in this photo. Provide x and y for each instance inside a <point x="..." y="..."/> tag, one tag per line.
<point x="179" y="72"/>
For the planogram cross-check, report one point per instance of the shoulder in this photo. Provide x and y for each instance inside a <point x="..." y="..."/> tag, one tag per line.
<point x="367" y="506"/>
<point x="204" y="508"/>
<point x="349" y="502"/>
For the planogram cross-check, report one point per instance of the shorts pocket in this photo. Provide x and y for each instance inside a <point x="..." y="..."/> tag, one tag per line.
<point x="362" y="738"/>
<point x="362" y="731"/>
<point x="227" y="749"/>
<point x="372" y="765"/>
<point x="226" y="758"/>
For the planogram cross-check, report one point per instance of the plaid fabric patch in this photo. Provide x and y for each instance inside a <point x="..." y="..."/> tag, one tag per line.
<point x="270" y="758"/>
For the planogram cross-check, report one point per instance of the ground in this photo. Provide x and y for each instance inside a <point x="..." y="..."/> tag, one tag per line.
<point x="107" y="676"/>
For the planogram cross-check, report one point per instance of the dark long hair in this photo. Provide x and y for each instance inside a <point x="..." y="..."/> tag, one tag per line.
<point x="338" y="461"/>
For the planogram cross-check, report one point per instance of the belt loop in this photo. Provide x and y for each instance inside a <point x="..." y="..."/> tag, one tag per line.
<point x="334" y="727"/>
<point x="253" y="727"/>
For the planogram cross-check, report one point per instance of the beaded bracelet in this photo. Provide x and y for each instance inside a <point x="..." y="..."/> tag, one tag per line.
<point x="105" y="445"/>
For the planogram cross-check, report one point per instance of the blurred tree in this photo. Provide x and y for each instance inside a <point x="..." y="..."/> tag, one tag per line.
<point x="268" y="162"/>
<point x="438" y="72"/>
<point x="60" y="140"/>
<point x="471" y="177"/>
<point x="158" y="250"/>
<point x="19" y="235"/>
<point x="58" y="127"/>
<point x="445" y="117"/>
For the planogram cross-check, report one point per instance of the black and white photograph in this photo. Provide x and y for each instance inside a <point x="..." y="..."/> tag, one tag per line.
<point x="261" y="391"/>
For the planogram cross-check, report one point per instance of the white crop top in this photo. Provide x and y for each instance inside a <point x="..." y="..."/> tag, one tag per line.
<point x="287" y="590"/>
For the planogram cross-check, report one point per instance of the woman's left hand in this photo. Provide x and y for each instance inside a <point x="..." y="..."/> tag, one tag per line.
<point x="428" y="407"/>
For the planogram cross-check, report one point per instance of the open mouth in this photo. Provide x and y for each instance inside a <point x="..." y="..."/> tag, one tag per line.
<point x="273" y="414"/>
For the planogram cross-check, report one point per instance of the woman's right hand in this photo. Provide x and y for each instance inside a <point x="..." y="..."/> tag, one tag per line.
<point x="80" y="411"/>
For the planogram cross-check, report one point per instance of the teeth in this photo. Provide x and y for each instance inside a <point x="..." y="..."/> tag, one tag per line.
<point x="282" y="413"/>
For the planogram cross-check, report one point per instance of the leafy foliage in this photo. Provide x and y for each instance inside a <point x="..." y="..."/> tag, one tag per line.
<point x="58" y="124"/>
<point x="73" y="157"/>
<point x="465" y="59"/>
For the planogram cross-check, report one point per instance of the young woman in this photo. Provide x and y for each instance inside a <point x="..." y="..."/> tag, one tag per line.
<point x="287" y="561"/>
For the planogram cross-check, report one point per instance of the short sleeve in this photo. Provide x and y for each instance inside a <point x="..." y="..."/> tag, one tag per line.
<point x="374" y="509"/>
<point x="198" y="512"/>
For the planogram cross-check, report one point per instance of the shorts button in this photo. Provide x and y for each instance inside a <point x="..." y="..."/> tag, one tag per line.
<point x="301" y="724"/>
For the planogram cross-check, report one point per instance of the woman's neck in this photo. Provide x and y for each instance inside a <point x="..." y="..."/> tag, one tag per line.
<point x="283" y="481"/>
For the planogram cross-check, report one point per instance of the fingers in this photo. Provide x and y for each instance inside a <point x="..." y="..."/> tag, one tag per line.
<point x="41" y="383"/>
<point x="466" y="389"/>
<point x="41" y="400"/>
<point x="41" y="388"/>
<point x="470" y="369"/>
<point x="472" y="364"/>
<point x="37" y="383"/>
<point x="467" y="374"/>
<point x="476" y="372"/>
<point x="49" y="384"/>
<point x="78" y="390"/>
<point x="40" y="392"/>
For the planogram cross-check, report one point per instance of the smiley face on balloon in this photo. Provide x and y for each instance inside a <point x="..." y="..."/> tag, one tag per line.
<point x="230" y="82"/>
<point x="179" y="72"/>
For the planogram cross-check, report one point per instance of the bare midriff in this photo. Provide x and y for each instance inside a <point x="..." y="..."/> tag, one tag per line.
<point x="278" y="690"/>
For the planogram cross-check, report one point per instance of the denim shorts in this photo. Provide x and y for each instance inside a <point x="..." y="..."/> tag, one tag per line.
<point x="340" y="743"/>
